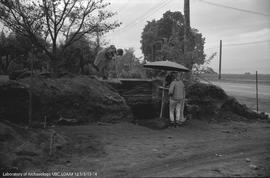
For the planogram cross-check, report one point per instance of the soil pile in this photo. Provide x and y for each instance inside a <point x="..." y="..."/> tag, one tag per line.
<point x="210" y="101"/>
<point x="81" y="98"/>
<point x="203" y="101"/>
<point x="22" y="148"/>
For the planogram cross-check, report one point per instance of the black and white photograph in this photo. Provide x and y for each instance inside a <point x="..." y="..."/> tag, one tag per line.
<point x="134" y="88"/>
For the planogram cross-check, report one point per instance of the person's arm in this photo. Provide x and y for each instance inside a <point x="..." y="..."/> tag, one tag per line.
<point x="184" y="91"/>
<point x="171" y="88"/>
<point x="98" y="58"/>
<point x="115" y="66"/>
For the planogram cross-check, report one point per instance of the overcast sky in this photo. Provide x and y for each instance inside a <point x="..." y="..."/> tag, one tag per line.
<point x="245" y="33"/>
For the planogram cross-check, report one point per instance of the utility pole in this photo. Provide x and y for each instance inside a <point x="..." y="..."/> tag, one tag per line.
<point x="187" y="58"/>
<point x="187" y="14"/>
<point x="220" y="55"/>
<point x="186" y="26"/>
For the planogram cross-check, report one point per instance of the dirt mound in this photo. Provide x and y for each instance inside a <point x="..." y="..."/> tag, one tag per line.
<point x="207" y="100"/>
<point x="81" y="98"/>
<point x="202" y="101"/>
<point x="28" y="149"/>
<point x="23" y="148"/>
<point x="232" y="105"/>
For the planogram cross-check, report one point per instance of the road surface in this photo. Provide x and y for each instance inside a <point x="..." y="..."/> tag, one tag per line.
<point x="246" y="94"/>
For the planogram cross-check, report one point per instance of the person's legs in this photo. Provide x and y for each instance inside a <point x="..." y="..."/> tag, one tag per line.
<point x="182" y="106"/>
<point x="104" y="72"/>
<point x="178" y="111"/>
<point x="172" y="109"/>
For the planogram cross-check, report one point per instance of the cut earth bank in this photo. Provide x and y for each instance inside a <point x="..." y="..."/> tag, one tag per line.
<point x="210" y="142"/>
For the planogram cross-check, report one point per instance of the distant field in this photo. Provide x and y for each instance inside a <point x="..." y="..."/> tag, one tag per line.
<point x="239" y="78"/>
<point x="243" y="88"/>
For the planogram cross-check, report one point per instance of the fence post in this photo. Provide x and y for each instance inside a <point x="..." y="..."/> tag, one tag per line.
<point x="257" y="99"/>
<point x="220" y="56"/>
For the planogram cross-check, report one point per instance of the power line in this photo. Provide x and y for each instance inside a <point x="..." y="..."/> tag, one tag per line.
<point x="247" y="43"/>
<point x="146" y="13"/>
<point x="166" y="3"/>
<point x="123" y="7"/>
<point x="237" y="9"/>
<point x="154" y="8"/>
<point x="241" y="44"/>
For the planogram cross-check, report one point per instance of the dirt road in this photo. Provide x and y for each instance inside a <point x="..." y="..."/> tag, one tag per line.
<point x="196" y="149"/>
<point x="245" y="93"/>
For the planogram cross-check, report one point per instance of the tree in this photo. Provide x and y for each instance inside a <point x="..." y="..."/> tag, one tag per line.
<point x="17" y="47"/>
<point x="128" y="66"/>
<point x="78" y="55"/>
<point x="55" y="20"/>
<point x="2" y="50"/>
<point x="200" y="68"/>
<point x="9" y="49"/>
<point x="164" y="40"/>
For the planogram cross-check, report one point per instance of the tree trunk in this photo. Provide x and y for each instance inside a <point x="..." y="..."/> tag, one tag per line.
<point x="7" y="64"/>
<point x="1" y="64"/>
<point x="81" y="65"/>
<point x="53" y="67"/>
<point x="53" y="63"/>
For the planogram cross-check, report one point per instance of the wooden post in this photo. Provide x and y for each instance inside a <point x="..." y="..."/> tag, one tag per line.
<point x="52" y="143"/>
<point x="162" y="100"/>
<point x="220" y="55"/>
<point x="30" y="109"/>
<point x="257" y="99"/>
<point x="45" y="122"/>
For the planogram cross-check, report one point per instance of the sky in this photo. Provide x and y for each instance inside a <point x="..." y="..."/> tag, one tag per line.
<point x="242" y="25"/>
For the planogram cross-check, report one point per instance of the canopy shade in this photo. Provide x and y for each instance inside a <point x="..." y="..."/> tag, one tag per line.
<point x="166" y="65"/>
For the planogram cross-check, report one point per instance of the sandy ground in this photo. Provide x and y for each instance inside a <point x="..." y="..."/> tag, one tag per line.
<point x="197" y="149"/>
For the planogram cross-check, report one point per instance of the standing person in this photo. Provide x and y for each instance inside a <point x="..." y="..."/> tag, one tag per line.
<point x="177" y="98"/>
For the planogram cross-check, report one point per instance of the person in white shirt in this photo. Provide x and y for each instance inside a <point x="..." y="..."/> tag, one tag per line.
<point x="177" y="98"/>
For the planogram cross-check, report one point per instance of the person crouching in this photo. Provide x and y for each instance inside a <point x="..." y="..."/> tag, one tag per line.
<point x="177" y="98"/>
<point x="104" y="58"/>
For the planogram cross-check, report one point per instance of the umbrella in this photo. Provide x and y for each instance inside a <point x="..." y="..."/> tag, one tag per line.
<point x="168" y="66"/>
